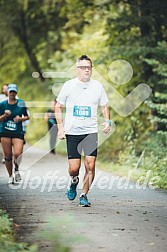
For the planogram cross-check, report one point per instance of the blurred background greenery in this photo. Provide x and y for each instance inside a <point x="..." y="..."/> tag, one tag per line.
<point x="48" y="35"/>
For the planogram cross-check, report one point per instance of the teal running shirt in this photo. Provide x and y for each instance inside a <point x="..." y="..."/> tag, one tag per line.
<point x="8" y="125"/>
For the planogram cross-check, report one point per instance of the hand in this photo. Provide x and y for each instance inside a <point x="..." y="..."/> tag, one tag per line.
<point x="61" y="134"/>
<point x="107" y="126"/>
<point x="17" y="119"/>
<point x="7" y="113"/>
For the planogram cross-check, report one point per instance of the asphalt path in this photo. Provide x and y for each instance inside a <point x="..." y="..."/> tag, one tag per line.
<point x="124" y="216"/>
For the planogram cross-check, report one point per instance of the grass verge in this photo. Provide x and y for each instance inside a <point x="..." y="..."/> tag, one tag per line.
<point x="145" y="175"/>
<point x="7" y="236"/>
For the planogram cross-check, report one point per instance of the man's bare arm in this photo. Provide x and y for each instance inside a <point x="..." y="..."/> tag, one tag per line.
<point x="59" y="119"/>
<point x="106" y="114"/>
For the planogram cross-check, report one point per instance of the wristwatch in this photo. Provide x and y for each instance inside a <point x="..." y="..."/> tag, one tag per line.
<point x="108" y="121"/>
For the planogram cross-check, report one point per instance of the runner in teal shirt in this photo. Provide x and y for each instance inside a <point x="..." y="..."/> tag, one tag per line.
<point x="12" y="113"/>
<point x="9" y="127"/>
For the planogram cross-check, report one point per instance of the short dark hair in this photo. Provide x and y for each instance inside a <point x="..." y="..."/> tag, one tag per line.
<point x="84" y="57"/>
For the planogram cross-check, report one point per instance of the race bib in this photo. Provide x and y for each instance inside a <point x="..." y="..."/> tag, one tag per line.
<point x="11" y="125"/>
<point x="82" y="111"/>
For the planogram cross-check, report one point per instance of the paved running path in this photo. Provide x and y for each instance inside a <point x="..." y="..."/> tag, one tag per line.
<point x="119" y="220"/>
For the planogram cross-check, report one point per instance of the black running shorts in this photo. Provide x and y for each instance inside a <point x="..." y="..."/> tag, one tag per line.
<point x="12" y="135"/>
<point x="76" y="144"/>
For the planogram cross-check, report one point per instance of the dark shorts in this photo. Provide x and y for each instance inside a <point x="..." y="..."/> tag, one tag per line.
<point x="12" y="135"/>
<point x="77" y="143"/>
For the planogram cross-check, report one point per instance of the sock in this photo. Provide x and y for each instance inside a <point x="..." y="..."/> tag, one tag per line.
<point x="82" y="194"/>
<point x="16" y="167"/>
<point x="75" y="179"/>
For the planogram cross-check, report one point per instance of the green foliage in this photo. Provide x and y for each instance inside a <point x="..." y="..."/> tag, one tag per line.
<point x="158" y="104"/>
<point x="5" y="223"/>
<point x="33" y="24"/>
<point x="7" y="241"/>
<point x="148" y="156"/>
<point x="58" y="233"/>
<point x="49" y="35"/>
<point x="54" y="233"/>
<point x="155" y="156"/>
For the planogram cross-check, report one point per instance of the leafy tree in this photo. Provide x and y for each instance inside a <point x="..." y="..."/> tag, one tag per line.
<point x="37" y="27"/>
<point x="158" y="104"/>
<point x="137" y="33"/>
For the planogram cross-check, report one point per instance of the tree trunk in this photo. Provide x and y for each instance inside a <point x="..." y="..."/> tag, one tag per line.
<point x="22" y="34"/>
<point x="143" y="7"/>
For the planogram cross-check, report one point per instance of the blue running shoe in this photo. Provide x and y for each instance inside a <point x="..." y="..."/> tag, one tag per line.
<point x="71" y="192"/>
<point x="83" y="201"/>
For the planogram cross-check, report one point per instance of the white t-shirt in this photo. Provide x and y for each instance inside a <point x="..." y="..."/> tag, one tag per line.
<point x="3" y="97"/>
<point x="81" y="100"/>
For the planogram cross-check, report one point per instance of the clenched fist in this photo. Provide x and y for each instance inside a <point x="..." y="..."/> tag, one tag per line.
<point x="7" y="113"/>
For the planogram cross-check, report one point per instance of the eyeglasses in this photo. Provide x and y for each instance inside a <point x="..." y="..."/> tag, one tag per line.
<point x="85" y="67"/>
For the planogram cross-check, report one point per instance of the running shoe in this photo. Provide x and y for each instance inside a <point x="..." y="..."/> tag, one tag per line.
<point x="52" y="151"/>
<point x="83" y="201"/>
<point x="17" y="176"/>
<point x="71" y="192"/>
<point x="11" y="180"/>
